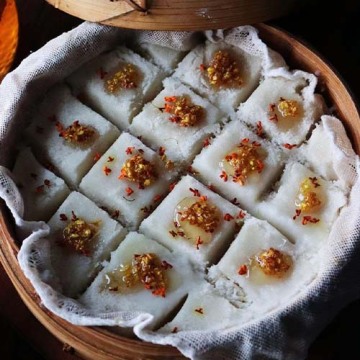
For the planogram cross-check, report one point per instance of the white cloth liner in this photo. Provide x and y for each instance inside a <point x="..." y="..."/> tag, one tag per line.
<point x="283" y="334"/>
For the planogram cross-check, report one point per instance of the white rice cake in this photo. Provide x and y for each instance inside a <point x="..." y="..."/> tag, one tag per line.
<point x="42" y="191"/>
<point x="265" y="292"/>
<point x="314" y="222"/>
<point x="191" y="71"/>
<point x="191" y="239"/>
<point x="164" y="57"/>
<point x="322" y="150"/>
<point x="180" y="143"/>
<point x="212" y="169"/>
<point x="119" y="106"/>
<point x="76" y="269"/>
<point x="179" y="279"/>
<point x="288" y="126"/>
<point x="60" y="110"/>
<point x="204" y="310"/>
<point x="123" y="196"/>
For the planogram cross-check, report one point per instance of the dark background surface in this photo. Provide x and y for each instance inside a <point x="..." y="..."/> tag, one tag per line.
<point x="332" y="30"/>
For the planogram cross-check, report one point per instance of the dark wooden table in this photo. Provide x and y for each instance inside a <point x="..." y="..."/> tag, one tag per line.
<point x="333" y="30"/>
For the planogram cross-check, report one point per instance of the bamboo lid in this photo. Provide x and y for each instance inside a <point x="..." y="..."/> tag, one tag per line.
<point x="175" y="14"/>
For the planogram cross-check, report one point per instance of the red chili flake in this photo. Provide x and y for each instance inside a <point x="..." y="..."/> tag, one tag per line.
<point x="110" y="159"/>
<point x="47" y="183"/>
<point x="273" y="118"/>
<point x="147" y="210"/>
<point x="157" y="198"/>
<point x="174" y="330"/>
<point x="40" y="189"/>
<point x="202" y="67"/>
<point x="243" y="270"/>
<point x="255" y="143"/>
<point x="129" y="150"/>
<point x="181" y="233"/>
<point x="200" y="310"/>
<point x="190" y="170"/>
<point x="170" y="98"/>
<point x="297" y="214"/>
<point x="245" y="140"/>
<point x="228" y="217"/>
<point x="34" y="176"/>
<point x="235" y="201"/>
<point x="73" y="216"/>
<point x="161" y="151"/>
<point x="195" y="192"/>
<point x="115" y="214"/>
<point x="101" y="73"/>
<point x="259" y="129"/>
<point x="159" y="292"/>
<point x="206" y="142"/>
<point x="63" y="217"/>
<point x="172" y="233"/>
<point x="129" y="191"/>
<point x="272" y="107"/>
<point x="289" y="146"/>
<point x="52" y="118"/>
<point x="96" y="157"/>
<point x="106" y="170"/>
<point x="59" y="128"/>
<point x="198" y="243"/>
<point x="314" y="181"/>
<point x="211" y="187"/>
<point x="172" y="185"/>
<point x="241" y="214"/>
<point x="309" y="219"/>
<point x="224" y="176"/>
<point x="39" y="130"/>
<point x="203" y="198"/>
<point x="166" y="265"/>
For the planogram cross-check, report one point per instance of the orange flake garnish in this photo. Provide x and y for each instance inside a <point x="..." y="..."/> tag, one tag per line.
<point x="96" y="157"/>
<point x="203" y="198"/>
<point x="297" y="214"/>
<point x="73" y="216"/>
<point x="272" y="107"/>
<point x="110" y="159"/>
<point x="106" y="170"/>
<point x="309" y="219"/>
<point x="129" y="191"/>
<point x="202" y="67"/>
<point x="195" y="192"/>
<point x="224" y="176"/>
<point x="314" y="181"/>
<point x="206" y="142"/>
<point x="200" y="310"/>
<point x="63" y="217"/>
<point x="190" y="170"/>
<point x="211" y="187"/>
<point x="161" y="151"/>
<point x="159" y="292"/>
<point x="273" y="118"/>
<point x="127" y="77"/>
<point x="129" y="150"/>
<point x="198" y="243"/>
<point x="174" y="330"/>
<point x="157" y="198"/>
<point x="259" y="129"/>
<point x="228" y="217"/>
<point x="241" y="214"/>
<point x="172" y="185"/>
<point x="115" y="214"/>
<point x="184" y="113"/>
<point x="243" y="270"/>
<point x="172" y="233"/>
<point x="289" y="146"/>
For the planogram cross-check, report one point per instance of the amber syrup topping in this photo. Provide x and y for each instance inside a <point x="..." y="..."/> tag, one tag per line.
<point x="126" y="77"/>
<point x="273" y="262"/>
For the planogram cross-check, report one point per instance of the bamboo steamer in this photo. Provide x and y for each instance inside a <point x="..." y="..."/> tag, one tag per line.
<point x="175" y="14"/>
<point x="98" y="343"/>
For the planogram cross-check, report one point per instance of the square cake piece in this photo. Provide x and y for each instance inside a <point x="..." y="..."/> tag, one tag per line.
<point x="133" y="180"/>
<point x="285" y="107"/>
<point x="178" y="121"/>
<point x="194" y="221"/>
<point x="266" y="266"/>
<point x="164" y="57"/>
<point x="240" y="165"/>
<point x="81" y="237"/>
<point x="304" y="206"/>
<point x="67" y="134"/>
<point x="41" y="189"/>
<point x="142" y="276"/>
<point x="117" y="84"/>
<point x="223" y="73"/>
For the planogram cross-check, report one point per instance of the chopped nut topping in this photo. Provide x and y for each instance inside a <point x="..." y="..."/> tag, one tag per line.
<point x="77" y="133"/>
<point x="146" y="269"/>
<point x="78" y="236"/>
<point x="242" y="162"/>
<point x="138" y="170"/>
<point x="184" y="113"/>
<point x="223" y="71"/>
<point x="127" y="77"/>
<point x="288" y="108"/>
<point x="308" y="196"/>
<point x="273" y="262"/>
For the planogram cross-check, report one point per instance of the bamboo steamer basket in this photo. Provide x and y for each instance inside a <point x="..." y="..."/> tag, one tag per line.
<point x="101" y="344"/>
<point x="175" y="14"/>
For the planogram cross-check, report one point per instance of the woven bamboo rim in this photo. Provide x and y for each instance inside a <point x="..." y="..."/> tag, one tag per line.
<point x="97" y="343"/>
<point x="175" y="14"/>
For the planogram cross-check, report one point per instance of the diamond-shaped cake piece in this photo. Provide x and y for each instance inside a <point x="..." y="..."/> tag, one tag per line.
<point x="194" y="221"/>
<point x="42" y="190"/>
<point x="164" y="57"/>
<point x="205" y="309"/>
<point x="266" y="266"/>
<point x="81" y="237"/>
<point x="143" y="277"/>
<point x="286" y="109"/>
<point x="304" y="206"/>
<point x="223" y="73"/>
<point x="129" y="180"/>
<point x="117" y="84"/>
<point x="66" y="135"/>
<point x="178" y="121"/>
<point x="240" y="165"/>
